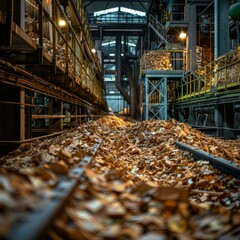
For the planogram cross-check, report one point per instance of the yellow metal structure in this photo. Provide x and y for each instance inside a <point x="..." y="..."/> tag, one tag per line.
<point x="218" y="76"/>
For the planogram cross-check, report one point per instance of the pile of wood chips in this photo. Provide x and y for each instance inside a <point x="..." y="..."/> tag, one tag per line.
<point x="231" y="65"/>
<point x="112" y="121"/>
<point x="157" y="60"/>
<point x="139" y="185"/>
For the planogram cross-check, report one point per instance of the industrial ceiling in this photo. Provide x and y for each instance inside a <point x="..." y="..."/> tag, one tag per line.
<point x="97" y="5"/>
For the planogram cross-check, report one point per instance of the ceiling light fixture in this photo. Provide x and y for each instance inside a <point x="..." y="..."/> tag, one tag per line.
<point x="62" y="22"/>
<point x="182" y="35"/>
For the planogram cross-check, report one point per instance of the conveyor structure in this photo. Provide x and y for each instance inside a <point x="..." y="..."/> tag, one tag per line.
<point x="155" y="83"/>
<point x="209" y="98"/>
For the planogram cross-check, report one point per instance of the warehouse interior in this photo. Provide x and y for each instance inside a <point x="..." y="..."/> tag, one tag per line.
<point x="119" y="119"/>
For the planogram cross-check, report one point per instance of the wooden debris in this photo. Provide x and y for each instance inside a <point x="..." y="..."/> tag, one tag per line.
<point x="157" y="60"/>
<point x="228" y="66"/>
<point x="139" y="184"/>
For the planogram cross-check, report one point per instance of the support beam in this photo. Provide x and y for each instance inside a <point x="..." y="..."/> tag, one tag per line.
<point x="119" y="70"/>
<point x="221" y="28"/>
<point x="40" y="33"/>
<point x="191" y="37"/>
<point x="146" y="99"/>
<point x="156" y="98"/>
<point x="55" y="108"/>
<point x="22" y="114"/>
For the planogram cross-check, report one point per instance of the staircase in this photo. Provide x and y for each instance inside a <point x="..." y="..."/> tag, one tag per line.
<point x="159" y="29"/>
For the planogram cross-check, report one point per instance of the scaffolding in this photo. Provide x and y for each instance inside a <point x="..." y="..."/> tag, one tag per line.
<point x="159" y="68"/>
<point x="156" y="98"/>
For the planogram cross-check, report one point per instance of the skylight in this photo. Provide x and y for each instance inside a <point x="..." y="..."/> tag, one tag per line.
<point x="110" y="10"/>
<point x="132" y="11"/>
<point x="114" y="42"/>
<point x="122" y="9"/>
<point x="108" y="43"/>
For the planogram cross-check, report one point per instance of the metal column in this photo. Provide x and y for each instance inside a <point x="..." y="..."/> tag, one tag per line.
<point x="156" y="98"/>
<point x="118" y="59"/>
<point x="22" y="114"/>
<point x="192" y="37"/>
<point x="221" y="47"/>
<point x="221" y="28"/>
<point x="22" y="14"/>
<point x="146" y="99"/>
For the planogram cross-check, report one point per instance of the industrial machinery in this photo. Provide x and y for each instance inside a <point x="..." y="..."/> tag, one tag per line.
<point x="200" y="86"/>
<point x="193" y="78"/>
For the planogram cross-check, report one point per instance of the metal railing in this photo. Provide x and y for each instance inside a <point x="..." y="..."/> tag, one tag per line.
<point x="162" y="30"/>
<point x="218" y="76"/>
<point x="196" y="83"/>
<point x="110" y="18"/>
<point x="228" y="70"/>
<point x="64" y="45"/>
<point x="159" y="29"/>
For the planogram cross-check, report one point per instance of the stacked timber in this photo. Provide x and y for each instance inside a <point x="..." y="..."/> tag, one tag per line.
<point x="228" y="68"/>
<point x="157" y="60"/>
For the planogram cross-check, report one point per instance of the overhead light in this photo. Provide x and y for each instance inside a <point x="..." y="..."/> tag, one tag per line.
<point x="93" y="50"/>
<point x="111" y="54"/>
<point x="62" y="22"/>
<point x="182" y="35"/>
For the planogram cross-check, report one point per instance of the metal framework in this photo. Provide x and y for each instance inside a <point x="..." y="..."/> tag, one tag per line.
<point x="156" y="78"/>
<point x="49" y="77"/>
<point x="155" y="98"/>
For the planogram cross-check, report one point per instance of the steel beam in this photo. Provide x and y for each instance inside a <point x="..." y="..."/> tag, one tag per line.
<point x="222" y="164"/>
<point x="22" y="114"/>
<point x="192" y="36"/>
<point x="221" y="28"/>
<point x="157" y="109"/>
